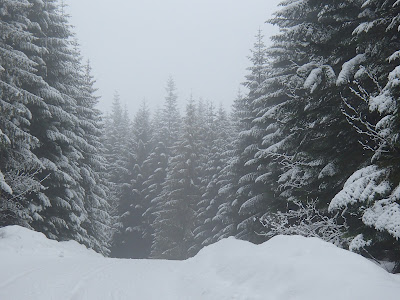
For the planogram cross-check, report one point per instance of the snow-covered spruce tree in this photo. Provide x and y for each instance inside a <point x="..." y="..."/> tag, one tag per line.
<point x="235" y="181"/>
<point x="93" y="166"/>
<point x="175" y="216"/>
<point x="370" y="197"/>
<point x="212" y="161"/>
<point x="120" y="164"/>
<point x="167" y="127"/>
<point x="226" y="217"/>
<point x="306" y="131"/>
<point x="108" y="176"/>
<point x="205" y="169"/>
<point x="251" y="194"/>
<point x="18" y="165"/>
<point x="135" y="233"/>
<point x="142" y="138"/>
<point x="47" y="187"/>
<point x="156" y="164"/>
<point x="118" y="140"/>
<point x="59" y="210"/>
<point x="206" y="135"/>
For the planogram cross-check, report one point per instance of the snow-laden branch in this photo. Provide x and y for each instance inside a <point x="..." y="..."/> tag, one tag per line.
<point x="306" y="220"/>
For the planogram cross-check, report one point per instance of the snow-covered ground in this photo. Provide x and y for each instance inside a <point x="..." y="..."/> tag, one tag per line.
<point x="33" y="267"/>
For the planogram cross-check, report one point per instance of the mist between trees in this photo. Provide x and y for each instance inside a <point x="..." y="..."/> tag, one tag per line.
<point x="311" y="148"/>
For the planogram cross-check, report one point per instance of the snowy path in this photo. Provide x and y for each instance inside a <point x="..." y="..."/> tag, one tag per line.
<point x="88" y="278"/>
<point x="285" y="268"/>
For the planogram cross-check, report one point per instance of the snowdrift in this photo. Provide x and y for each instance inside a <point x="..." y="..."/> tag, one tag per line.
<point x="286" y="267"/>
<point x="22" y="242"/>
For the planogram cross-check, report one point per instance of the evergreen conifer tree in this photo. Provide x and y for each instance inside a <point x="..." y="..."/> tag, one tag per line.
<point x="120" y="160"/>
<point x="93" y="166"/>
<point x="167" y="127"/>
<point x="212" y="163"/>
<point x="176" y="216"/>
<point x="59" y="210"/>
<point x="308" y="148"/>
<point x="135" y="233"/>
<point x="18" y="75"/>
<point x="251" y="195"/>
<point x="369" y="198"/>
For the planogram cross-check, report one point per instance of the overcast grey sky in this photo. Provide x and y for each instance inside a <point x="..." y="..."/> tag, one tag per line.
<point x="134" y="46"/>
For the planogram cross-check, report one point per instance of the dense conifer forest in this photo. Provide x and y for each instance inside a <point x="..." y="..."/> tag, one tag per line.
<point x="310" y="147"/>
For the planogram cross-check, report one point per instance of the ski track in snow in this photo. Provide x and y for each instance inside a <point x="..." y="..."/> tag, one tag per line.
<point x="82" y="283"/>
<point x="15" y="278"/>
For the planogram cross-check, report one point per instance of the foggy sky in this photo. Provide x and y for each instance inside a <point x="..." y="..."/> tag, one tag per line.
<point x="134" y="46"/>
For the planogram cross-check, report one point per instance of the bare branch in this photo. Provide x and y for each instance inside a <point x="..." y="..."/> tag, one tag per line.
<point x="307" y="221"/>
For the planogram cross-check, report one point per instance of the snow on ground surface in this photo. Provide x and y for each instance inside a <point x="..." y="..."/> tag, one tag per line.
<point x="286" y="267"/>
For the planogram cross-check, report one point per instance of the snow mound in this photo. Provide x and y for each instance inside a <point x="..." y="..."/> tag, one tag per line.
<point x="284" y="268"/>
<point x="17" y="240"/>
<point x="294" y="267"/>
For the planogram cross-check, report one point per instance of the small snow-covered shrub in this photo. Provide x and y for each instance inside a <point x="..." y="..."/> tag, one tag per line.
<point x="306" y="220"/>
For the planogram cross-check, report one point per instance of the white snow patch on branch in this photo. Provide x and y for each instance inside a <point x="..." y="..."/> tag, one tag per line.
<point x="328" y="171"/>
<point x="384" y="215"/>
<point x="349" y="69"/>
<point x="363" y="185"/>
<point x="358" y="243"/>
<point x="4" y="186"/>
<point x="383" y="103"/>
